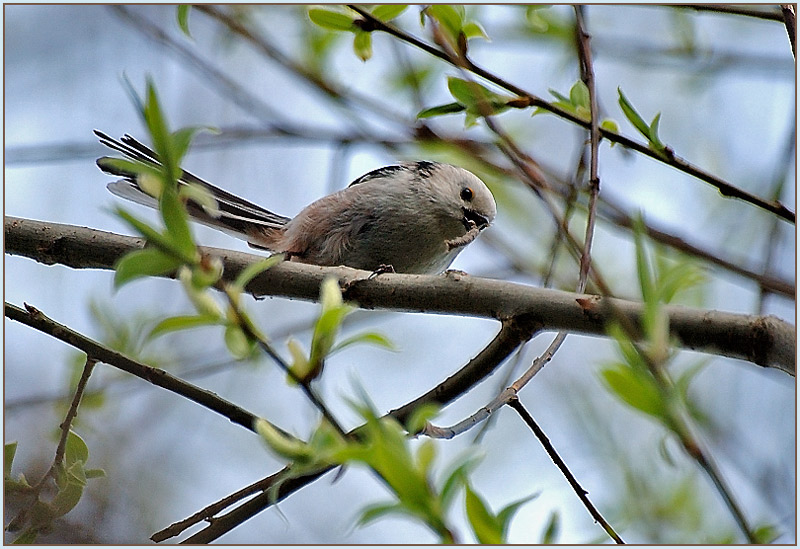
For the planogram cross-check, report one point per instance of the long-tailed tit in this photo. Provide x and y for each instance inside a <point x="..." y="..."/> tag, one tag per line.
<point x="414" y="216"/>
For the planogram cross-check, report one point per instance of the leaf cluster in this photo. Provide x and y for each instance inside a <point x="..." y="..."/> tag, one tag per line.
<point x="70" y="478"/>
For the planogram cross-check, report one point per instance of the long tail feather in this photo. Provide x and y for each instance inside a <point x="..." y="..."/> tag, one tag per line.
<point x="236" y="215"/>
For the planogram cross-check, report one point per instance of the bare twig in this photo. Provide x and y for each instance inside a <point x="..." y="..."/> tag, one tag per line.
<point x="37" y="320"/>
<point x="771" y="15"/>
<point x="587" y="75"/>
<point x="573" y="482"/>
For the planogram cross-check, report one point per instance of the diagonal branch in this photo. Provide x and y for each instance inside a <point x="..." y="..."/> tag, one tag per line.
<point x="725" y="188"/>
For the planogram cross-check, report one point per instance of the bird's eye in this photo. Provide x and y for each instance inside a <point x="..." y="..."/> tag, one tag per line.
<point x="467" y="194"/>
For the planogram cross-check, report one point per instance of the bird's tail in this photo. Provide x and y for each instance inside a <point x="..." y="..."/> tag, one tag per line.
<point x="233" y="215"/>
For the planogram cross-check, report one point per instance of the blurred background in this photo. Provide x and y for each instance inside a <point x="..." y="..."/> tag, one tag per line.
<point x="725" y="87"/>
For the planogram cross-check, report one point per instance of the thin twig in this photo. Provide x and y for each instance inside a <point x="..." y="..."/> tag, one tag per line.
<point x="562" y="466"/>
<point x="725" y="188"/>
<point x="66" y="425"/>
<point x="587" y="75"/>
<point x="33" y="495"/>
<point x="512" y="334"/>
<point x="37" y="320"/>
<point x="733" y="10"/>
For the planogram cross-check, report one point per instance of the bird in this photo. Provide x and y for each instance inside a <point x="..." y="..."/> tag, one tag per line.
<point x="410" y="217"/>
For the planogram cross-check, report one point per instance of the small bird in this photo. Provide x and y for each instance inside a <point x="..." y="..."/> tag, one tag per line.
<point x="412" y="217"/>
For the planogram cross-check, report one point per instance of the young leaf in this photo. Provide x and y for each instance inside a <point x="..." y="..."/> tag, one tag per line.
<point x="362" y="45"/>
<point x="652" y="134"/>
<point x="636" y="390"/>
<point x="255" y="269"/>
<point x="66" y="499"/>
<point x="332" y="20"/>
<point x="238" y="343"/>
<point x="152" y="236"/>
<point x="450" y="18"/>
<point x="507" y="513"/>
<point x="281" y="443"/>
<point x="473" y="29"/>
<point x="579" y="94"/>
<point x="366" y="337"/>
<point x="76" y="450"/>
<point x="610" y="125"/>
<point x="200" y="196"/>
<point x="484" y="524"/>
<point x="183" y="18"/>
<point x="175" y="323"/>
<point x="449" y="108"/>
<point x="176" y="221"/>
<point x="146" y="262"/>
<point x="633" y="116"/>
<point x="387" y="12"/>
<point x="551" y="531"/>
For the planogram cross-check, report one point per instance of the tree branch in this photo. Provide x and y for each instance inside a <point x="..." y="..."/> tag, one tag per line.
<point x="582" y="494"/>
<point x="763" y="340"/>
<point x="725" y="188"/>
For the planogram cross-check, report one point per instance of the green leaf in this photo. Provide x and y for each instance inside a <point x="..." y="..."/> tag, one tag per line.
<point x="610" y="125"/>
<point x="95" y="473"/>
<point x="281" y="443"/>
<point x="552" y="530"/>
<point x="75" y="450"/>
<point x="579" y="94"/>
<point x="473" y="29"/>
<point x="466" y="92"/>
<point x="449" y="18"/>
<point x="362" y="45"/>
<point x="128" y="167"/>
<point x="200" y="196"/>
<point x="484" y="524"/>
<point x="630" y="113"/>
<point x="152" y="235"/>
<point x="146" y="262"/>
<point x="387" y="12"/>
<point x="561" y="98"/>
<point x="255" y="269"/>
<point x="332" y="20"/>
<point x="182" y="139"/>
<point x="183" y="18"/>
<point x="507" y="513"/>
<point x="9" y="451"/>
<point x="636" y="390"/>
<point x="157" y="126"/>
<point x="176" y="221"/>
<point x="66" y="499"/>
<point x="366" y="337"/>
<point x="238" y="343"/>
<point x="374" y="512"/>
<point x="455" y="479"/>
<point x="449" y="108"/>
<point x="426" y="453"/>
<point x="187" y="322"/>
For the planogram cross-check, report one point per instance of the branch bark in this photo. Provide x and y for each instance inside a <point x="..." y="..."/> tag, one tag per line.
<point x="763" y="340"/>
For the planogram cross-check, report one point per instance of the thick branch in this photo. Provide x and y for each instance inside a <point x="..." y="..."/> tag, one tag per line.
<point x="763" y="340"/>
